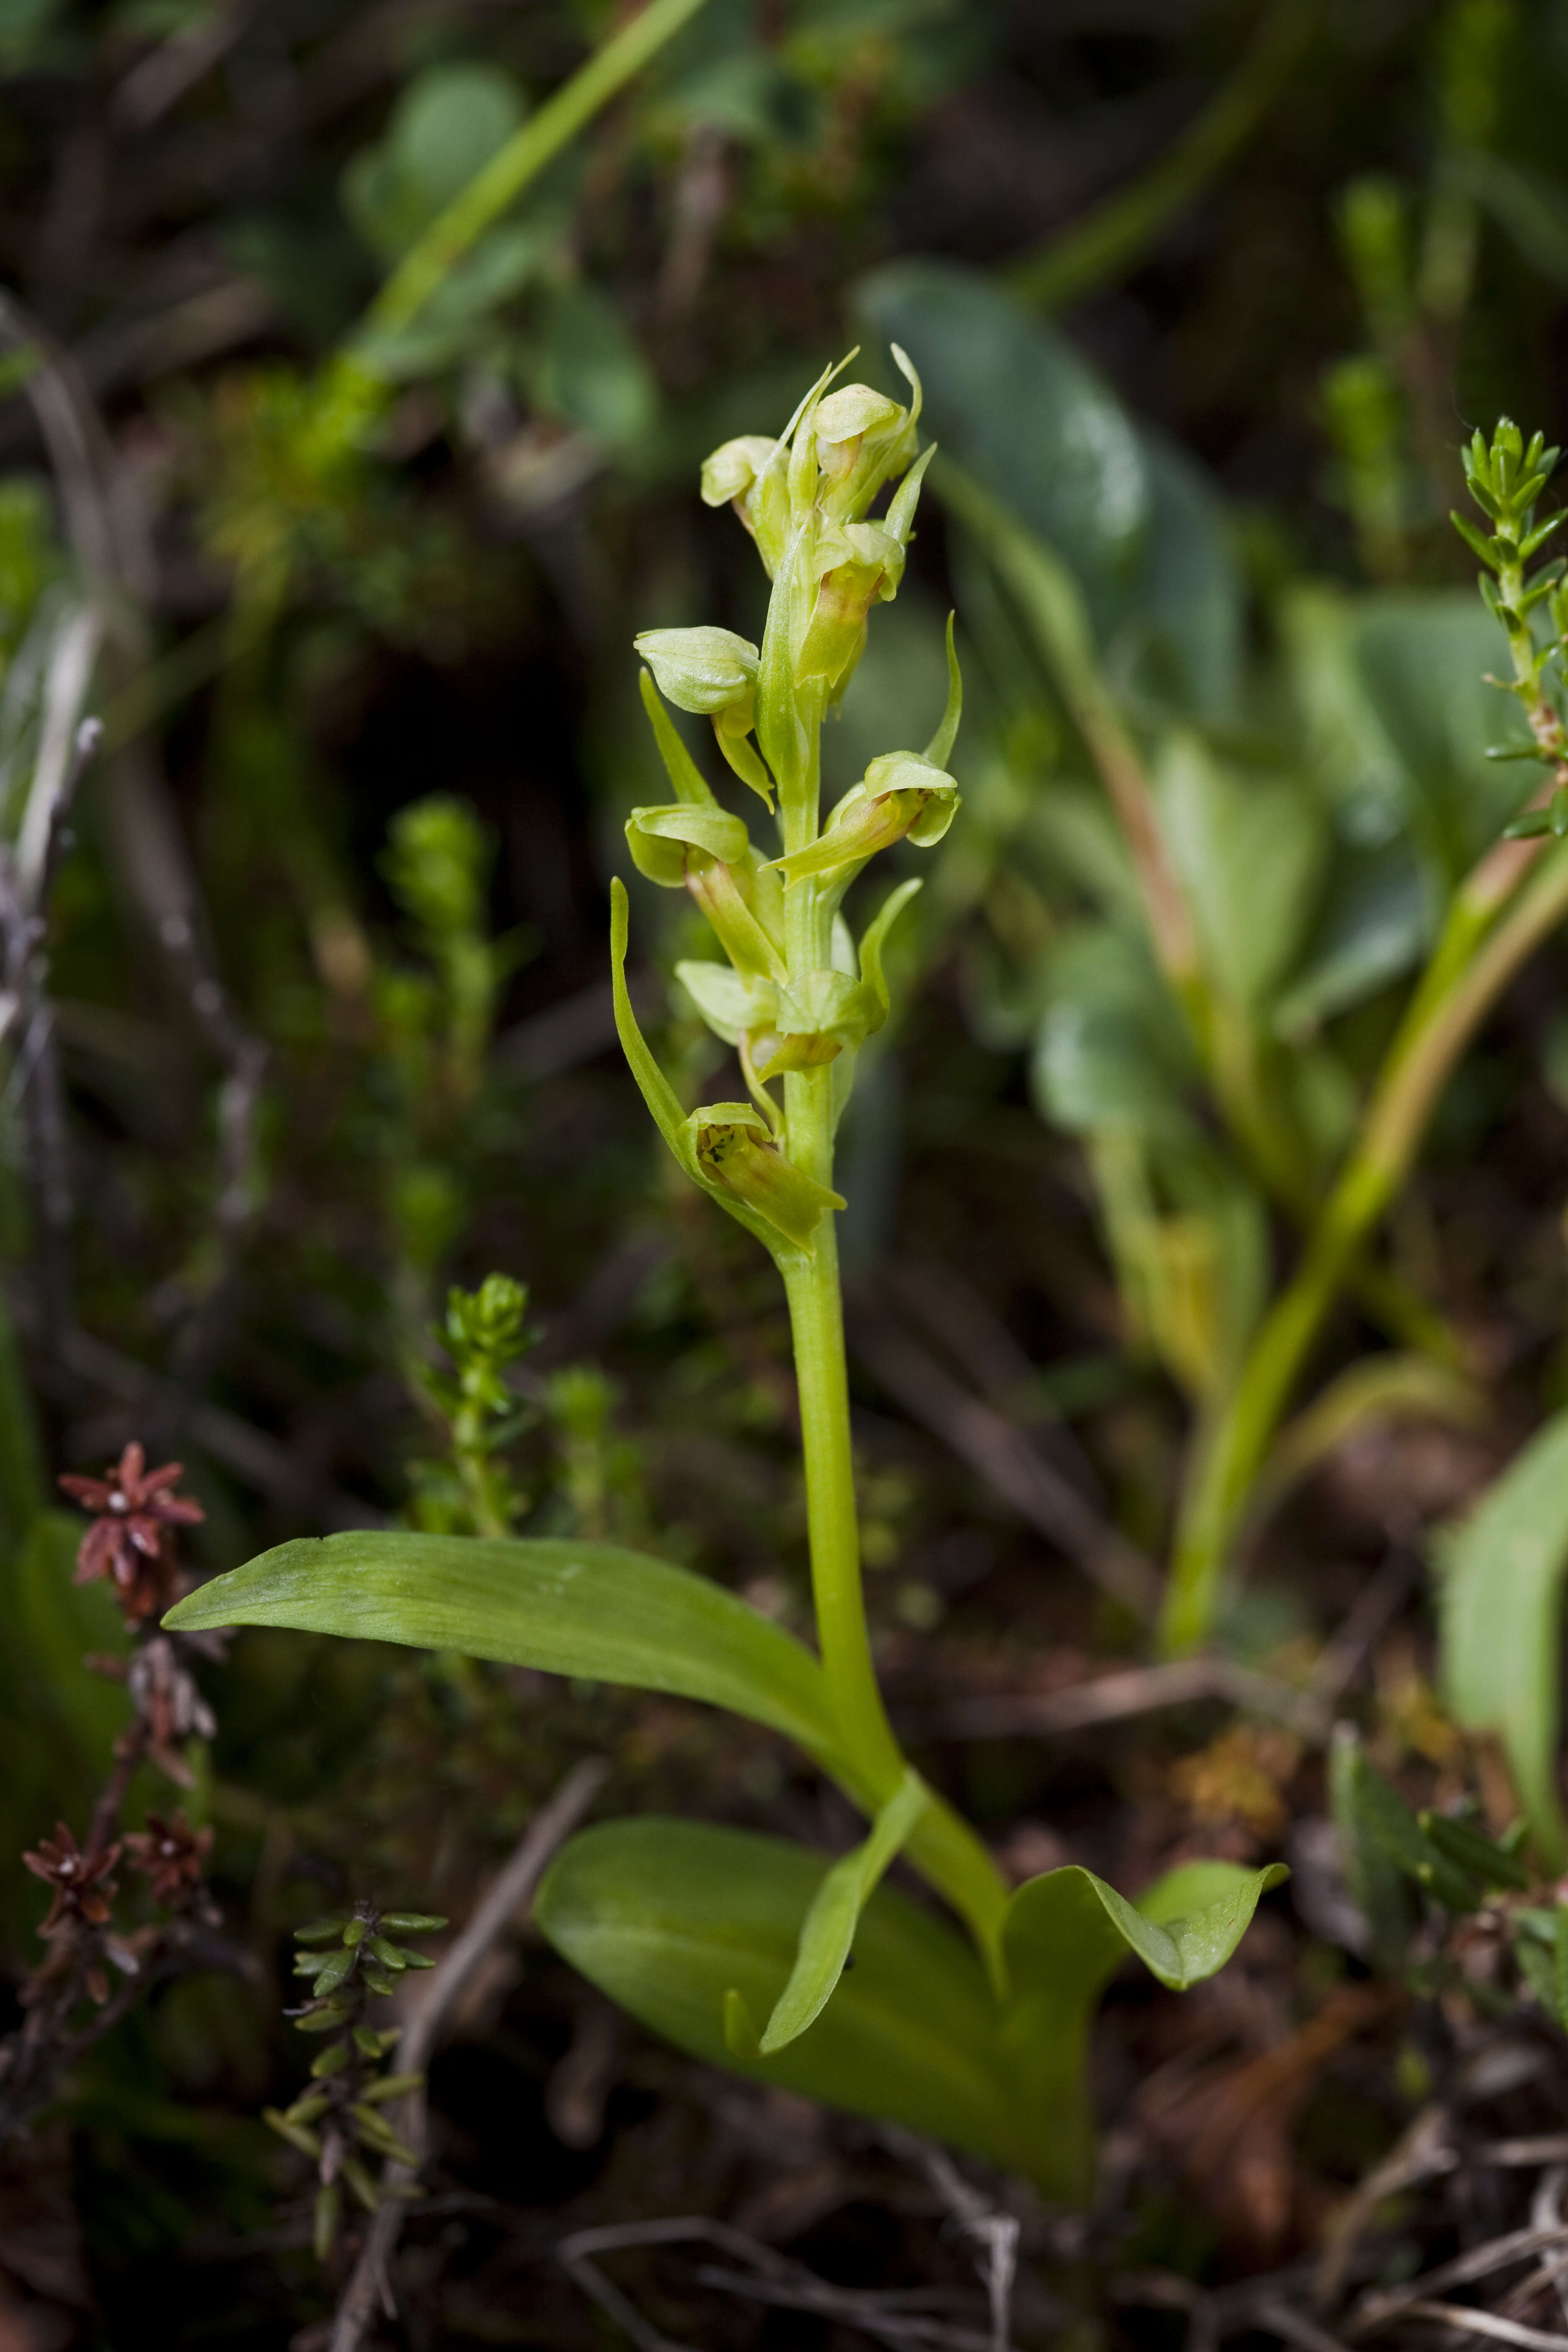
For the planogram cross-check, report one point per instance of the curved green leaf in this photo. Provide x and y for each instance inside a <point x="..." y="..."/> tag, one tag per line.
<point x="680" y="1922"/>
<point x="1499" y="1622"/>
<point x="587" y="1609"/>
<point x="828" y="1930"/>
<point x="1066" y="1935"/>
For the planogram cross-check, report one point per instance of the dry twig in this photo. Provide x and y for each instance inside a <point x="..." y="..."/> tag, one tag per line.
<point x="1005" y="1459"/>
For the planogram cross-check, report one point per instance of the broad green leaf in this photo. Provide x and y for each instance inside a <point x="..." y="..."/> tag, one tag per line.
<point x="1376" y="923"/>
<point x="449" y="120"/>
<point x="1183" y="640"/>
<point x="1423" y="659"/>
<point x="1110" y="1051"/>
<point x="1500" y="1606"/>
<point x="1250" y="851"/>
<point x="1017" y="404"/>
<point x="587" y="1609"/>
<point x="828" y="1930"/>
<point x="588" y="369"/>
<point x="1066" y="1935"/>
<point x="671" y="1918"/>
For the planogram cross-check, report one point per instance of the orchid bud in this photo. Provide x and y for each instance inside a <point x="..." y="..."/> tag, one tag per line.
<point x="862" y="439"/>
<point x="712" y="672"/>
<point x="751" y="473"/>
<point x="736" y="1150"/>
<point x="707" y="851"/>
<point x="817" y="1017"/>
<point x="661" y="840"/>
<point x="733" y="1003"/>
<point x="900" y="797"/>
<point x="732" y="468"/>
<point x="858" y="564"/>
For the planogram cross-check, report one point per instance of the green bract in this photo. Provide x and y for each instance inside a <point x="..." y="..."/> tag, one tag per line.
<point x="740" y="1947"/>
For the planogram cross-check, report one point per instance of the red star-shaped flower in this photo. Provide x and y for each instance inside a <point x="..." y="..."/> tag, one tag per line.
<point x="171" y="1855"/>
<point x="128" y="1541"/>
<point x="80" y="1882"/>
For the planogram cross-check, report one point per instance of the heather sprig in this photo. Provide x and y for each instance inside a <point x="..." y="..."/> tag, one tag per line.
<point x="353" y="1958"/>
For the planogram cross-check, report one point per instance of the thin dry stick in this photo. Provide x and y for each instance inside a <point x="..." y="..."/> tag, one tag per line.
<point x="1377" y="2310"/>
<point x="576" y="2256"/>
<point x="769" y="2278"/>
<point x="1423" y="2152"/>
<point x="1278" y="2319"/>
<point x="116" y="561"/>
<point x="1005" y="1458"/>
<point x="369" y="2285"/>
<point x="1131" y="1690"/>
<point x="1460" y="2316"/>
<point x="980" y="2217"/>
<point x="851" y="2308"/>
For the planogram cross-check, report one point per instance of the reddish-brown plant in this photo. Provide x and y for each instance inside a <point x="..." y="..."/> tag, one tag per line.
<point x="134" y="1508"/>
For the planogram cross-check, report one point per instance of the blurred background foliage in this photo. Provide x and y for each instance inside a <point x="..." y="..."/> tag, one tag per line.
<point x="1205" y="296"/>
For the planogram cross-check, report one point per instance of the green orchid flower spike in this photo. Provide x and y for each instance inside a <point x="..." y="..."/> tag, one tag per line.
<point x="974" y="2026"/>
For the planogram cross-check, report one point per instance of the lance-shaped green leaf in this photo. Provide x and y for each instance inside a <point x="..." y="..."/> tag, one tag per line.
<point x="900" y="797"/>
<point x="685" y="778"/>
<point x="828" y="1931"/>
<point x="669" y="1917"/>
<point x="664" y="1107"/>
<point x="746" y="761"/>
<point x="738" y="1154"/>
<point x="938" y="751"/>
<point x="1378" y="1814"/>
<point x="1066" y="1935"/>
<point x="704" y="670"/>
<point x="873" y="943"/>
<point x="1501" y="1620"/>
<point x="566" y="1607"/>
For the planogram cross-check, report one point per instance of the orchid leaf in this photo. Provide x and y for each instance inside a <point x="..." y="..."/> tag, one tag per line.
<point x="940" y="745"/>
<point x="685" y="776"/>
<point x="828" y="1930"/>
<point x="1501" y="1616"/>
<point x="695" y="1928"/>
<point x="589" y="1609"/>
<point x="1066" y="1935"/>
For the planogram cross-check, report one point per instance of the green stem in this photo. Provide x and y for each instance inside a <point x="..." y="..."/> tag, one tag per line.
<point x="454" y="233"/>
<point x="1468" y="974"/>
<point x="944" y="1846"/>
